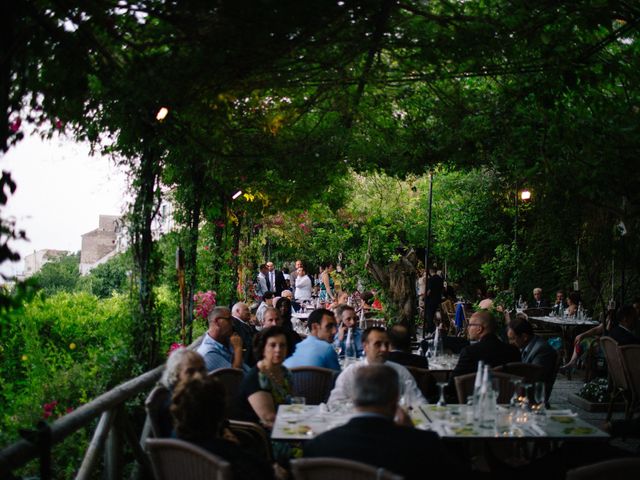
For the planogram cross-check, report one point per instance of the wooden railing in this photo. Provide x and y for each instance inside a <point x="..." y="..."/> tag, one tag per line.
<point x="113" y="427"/>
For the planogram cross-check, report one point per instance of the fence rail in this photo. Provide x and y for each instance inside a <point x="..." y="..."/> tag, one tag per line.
<point x="112" y="428"/>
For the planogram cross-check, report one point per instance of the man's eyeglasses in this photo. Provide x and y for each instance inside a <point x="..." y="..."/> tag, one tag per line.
<point x="475" y="324"/>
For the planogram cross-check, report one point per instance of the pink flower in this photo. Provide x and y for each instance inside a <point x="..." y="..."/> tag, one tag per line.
<point x="174" y="346"/>
<point x="58" y="124"/>
<point x="69" y="410"/>
<point x="15" y="125"/>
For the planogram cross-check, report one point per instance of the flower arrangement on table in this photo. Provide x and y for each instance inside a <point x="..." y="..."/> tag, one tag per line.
<point x="596" y="390"/>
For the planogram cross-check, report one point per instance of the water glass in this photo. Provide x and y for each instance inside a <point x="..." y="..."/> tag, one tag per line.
<point x="298" y="400"/>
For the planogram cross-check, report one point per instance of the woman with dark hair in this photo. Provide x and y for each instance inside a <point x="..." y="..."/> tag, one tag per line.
<point x="283" y="305"/>
<point x="268" y="383"/>
<point x="198" y="411"/>
<point x="573" y="301"/>
<point x="326" y="282"/>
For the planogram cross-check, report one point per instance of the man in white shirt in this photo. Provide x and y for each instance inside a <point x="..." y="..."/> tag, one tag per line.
<point x="375" y="342"/>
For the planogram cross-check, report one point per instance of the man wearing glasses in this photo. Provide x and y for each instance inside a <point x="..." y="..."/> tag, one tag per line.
<point x="221" y="347"/>
<point x="488" y="347"/>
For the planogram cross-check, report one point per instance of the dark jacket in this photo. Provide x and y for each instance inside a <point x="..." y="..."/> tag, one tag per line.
<point x="539" y="352"/>
<point x="408" y="359"/>
<point x="490" y="349"/>
<point x="379" y="442"/>
<point x="246" y="332"/>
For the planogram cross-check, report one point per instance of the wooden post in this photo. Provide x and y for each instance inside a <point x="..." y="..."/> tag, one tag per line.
<point x="96" y="445"/>
<point x="113" y="451"/>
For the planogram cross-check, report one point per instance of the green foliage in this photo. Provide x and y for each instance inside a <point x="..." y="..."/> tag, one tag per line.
<point x="59" y="275"/>
<point x="109" y="278"/>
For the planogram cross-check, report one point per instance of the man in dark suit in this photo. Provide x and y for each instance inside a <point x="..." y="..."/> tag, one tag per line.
<point x="488" y="348"/>
<point x="433" y="296"/>
<point x="400" y="340"/>
<point x="372" y="437"/>
<point x="534" y="350"/>
<point x="623" y="332"/>
<point x="538" y="301"/>
<point x="240" y="317"/>
<point x="277" y="283"/>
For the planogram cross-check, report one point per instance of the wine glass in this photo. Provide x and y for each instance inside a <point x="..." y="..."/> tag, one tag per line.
<point x="539" y="396"/>
<point x="441" y="401"/>
<point x="514" y="402"/>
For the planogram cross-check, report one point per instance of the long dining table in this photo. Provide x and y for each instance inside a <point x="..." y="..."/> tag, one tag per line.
<point x="451" y="422"/>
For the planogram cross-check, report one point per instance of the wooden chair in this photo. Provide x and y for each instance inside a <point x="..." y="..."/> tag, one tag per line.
<point x="630" y="357"/>
<point x="619" y="385"/>
<point x="173" y="459"/>
<point x="619" y="469"/>
<point x="253" y="438"/>
<point x="426" y="382"/>
<point x="506" y="385"/>
<point x="321" y="468"/>
<point x="231" y="378"/>
<point x="157" y="409"/>
<point x="449" y="316"/>
<point x="313" y="383"/>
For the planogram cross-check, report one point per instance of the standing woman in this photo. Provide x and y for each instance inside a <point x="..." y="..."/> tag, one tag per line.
<point x="326" y="282"/>
<point x="304" y="286"/>
<point x="268" y="383"/>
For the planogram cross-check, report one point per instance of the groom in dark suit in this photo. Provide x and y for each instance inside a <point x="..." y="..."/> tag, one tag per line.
<point x="372" y="437"/>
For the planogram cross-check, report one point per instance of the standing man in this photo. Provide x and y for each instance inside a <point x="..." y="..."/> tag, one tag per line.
<point x="241" y="317"/>
<point x="317" y="349"/>
<point x="276" y="279"/>
<point x="435" y="285"/>
<point x="294" y="274"/>
<point x="538" y="301"/>
<point x="262" y="284"/>
<point x="221" y="347"/>
<point x="534" y="349"/>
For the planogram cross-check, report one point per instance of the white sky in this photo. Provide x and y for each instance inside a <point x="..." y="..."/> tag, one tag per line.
<point x="61" y="191"/>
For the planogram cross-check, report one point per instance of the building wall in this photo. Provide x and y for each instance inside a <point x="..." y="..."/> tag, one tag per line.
<point x="34" y="261"/>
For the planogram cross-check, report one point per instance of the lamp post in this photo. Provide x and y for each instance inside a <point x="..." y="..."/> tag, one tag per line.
<point x="426" y="257"/>
<point x="525" y="196"/>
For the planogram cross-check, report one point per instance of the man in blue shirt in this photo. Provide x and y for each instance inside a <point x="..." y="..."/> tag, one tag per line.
<point x="221" y="347"/>
<point x="347" y="316"/>
<point x="317" y="350"/>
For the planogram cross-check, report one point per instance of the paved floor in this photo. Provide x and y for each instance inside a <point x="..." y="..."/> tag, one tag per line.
<point x="559" y="399"/>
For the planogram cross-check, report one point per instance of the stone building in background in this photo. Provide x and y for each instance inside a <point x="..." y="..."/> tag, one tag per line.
<point x="101" y="244"/>
<point x="34" y="261"/>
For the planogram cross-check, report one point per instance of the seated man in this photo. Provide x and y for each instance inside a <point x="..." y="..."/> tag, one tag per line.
<point x="221" y="347"/>
<point x="317" y="350"/>
<point x="538" y="301"/>
<point x="347" y="317"/>
<point x="623" y="332"/>
<point x="376" y="348"/>
<point x="372" y="437"/>
<point x="534" y="349"/>
<point x="241" y="317"/>
<point x="267" y="301"/>
<point x="488" y="348"/>
<point x="400" y="340"/>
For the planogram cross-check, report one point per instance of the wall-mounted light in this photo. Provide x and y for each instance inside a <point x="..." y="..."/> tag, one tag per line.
<point x="236" y="195"/>
<point x="525" y="195"/>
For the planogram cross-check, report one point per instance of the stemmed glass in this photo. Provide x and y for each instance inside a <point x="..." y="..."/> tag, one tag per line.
<point x="441" y="401"/>
<point x="515" y="398"/>
<point x="539" y="397"/>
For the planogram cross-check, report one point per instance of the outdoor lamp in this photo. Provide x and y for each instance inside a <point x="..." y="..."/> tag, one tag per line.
<point x="236" y="195"/>
<point x="525" y="195"/>
<point x="162" y="114"/>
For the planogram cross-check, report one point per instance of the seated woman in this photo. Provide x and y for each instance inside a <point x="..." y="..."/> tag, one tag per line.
<point x="586" y="340"/>
<point x="573" y="301"/>
<point x="182" y="365"/>
<point x="198" y="411"/>
<point x="268" y="383"/>
<point x="341" y="298"/>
